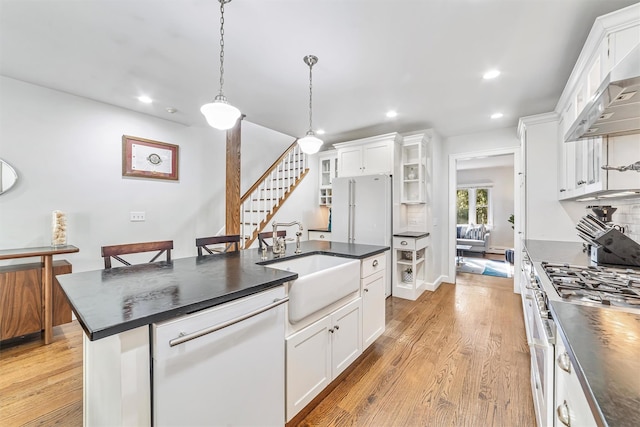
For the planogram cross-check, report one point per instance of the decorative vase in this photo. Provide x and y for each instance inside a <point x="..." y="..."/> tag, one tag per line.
<point x="412" y="174"/>
<point x="407" y="276"/>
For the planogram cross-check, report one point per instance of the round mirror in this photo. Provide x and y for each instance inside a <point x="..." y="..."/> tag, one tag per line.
<point x="8" y="176"/>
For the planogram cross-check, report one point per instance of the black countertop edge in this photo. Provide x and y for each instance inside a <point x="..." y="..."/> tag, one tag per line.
<point x="180" y="311"/>
<point x="414" y="234"/>
<point x="593" y="403"/>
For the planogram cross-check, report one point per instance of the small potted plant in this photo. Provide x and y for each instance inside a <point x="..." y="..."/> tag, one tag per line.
<point x="407" y="275"/>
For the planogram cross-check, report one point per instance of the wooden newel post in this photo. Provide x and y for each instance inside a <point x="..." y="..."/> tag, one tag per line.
<point x="232" y="194"/>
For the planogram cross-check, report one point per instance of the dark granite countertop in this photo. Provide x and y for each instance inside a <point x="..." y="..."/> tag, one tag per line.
<point x="107" y="302"/>
<point x="557" y="252"/>
<point x="412" y="234"/>
<point x="604" y="346"/>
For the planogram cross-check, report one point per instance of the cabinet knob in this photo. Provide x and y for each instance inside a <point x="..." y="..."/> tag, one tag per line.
<point x="337" y="327"/>
<point x="366" y="289"/>
<point x="563" y="414"/>
<point x="322" y="236"/>
<point x="331" y="330"/>
<point x="404" y="243"/>
<point x="581" y="182"/>
<point x="562" y="190"/>
<point x="563" y="362"/>
<point x="375" y="263"/>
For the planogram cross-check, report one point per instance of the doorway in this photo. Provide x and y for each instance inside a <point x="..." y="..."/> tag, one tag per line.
<point x="484" y="197"/>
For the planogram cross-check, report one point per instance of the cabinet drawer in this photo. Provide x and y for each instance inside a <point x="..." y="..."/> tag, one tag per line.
<point x="571" y="405"/>
<point x="373" y="264"/>
<point x="409" y="243"/>
<point x="319" y="235"/>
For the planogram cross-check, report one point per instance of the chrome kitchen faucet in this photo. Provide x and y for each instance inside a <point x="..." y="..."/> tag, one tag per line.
<point x="279" y="245"/>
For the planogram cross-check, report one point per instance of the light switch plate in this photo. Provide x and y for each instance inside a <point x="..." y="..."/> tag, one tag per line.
<point x="136" y="216"/>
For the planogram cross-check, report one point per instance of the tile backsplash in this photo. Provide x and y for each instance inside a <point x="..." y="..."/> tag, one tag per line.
<point x="628" y="216"/>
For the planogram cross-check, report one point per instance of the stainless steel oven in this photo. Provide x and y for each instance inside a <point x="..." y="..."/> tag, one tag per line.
<point x="541" y="333"/>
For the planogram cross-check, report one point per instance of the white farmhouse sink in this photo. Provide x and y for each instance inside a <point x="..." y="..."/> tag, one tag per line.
<point x="322" y="280"/>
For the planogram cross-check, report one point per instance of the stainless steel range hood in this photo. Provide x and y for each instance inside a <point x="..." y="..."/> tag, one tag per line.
<point x="615" y="108"/>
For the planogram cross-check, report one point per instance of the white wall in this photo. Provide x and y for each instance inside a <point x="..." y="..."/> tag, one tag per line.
<point x="501" y="180"/>
<point x="67" y="152"/>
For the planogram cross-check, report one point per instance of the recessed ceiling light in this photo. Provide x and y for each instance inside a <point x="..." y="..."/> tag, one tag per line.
<point x="320" y="131"/>
<point x="496" y="115"/>
<point x="145" y="99"/>
<point x="491" y="74"/>
<point x="392" y="113"/>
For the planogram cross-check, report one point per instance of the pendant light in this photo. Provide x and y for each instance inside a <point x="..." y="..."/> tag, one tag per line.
<point x="219" y="113"/>
<point x="310" y="144"/>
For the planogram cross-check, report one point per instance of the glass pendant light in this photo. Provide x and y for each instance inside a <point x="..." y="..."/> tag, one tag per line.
<point x="219" y="113"/>
<point x="310" y="143"/>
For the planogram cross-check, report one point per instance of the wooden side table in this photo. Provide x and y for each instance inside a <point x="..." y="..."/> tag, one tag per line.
<point x="46" y="254"/>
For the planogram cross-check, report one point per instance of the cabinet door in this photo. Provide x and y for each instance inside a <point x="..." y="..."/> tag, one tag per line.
<point x="346" y="336"/>
<point x="373" y="308"/>
<point x="571" y="405"/>
<point x="20" y="303"/>
<point x="308" y="364"/>
<point x="350" y="161"/>
<point x="377" y="158"/>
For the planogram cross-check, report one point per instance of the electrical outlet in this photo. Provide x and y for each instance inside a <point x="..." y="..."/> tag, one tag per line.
<point x="136" y="216"/>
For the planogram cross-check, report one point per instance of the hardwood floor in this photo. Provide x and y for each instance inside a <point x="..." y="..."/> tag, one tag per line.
<point x="454" y="357"/>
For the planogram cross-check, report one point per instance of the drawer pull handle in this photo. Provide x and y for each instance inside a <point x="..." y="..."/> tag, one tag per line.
<point x="404" y="243"/>
<point x="563" y="362"/>
<point x="563" y="414"/>
<point x="375" y="263"/>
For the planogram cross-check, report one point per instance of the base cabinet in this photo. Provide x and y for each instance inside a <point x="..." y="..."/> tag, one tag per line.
<point x="319" y="353"/>
<point x="571" y="407"/>
<point x="373" y="308"/>
<point x="21" y="299"/>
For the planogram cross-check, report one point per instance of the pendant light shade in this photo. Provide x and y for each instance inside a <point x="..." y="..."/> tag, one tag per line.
<point x="310" y="143"/>
<point x="219" y="113"/>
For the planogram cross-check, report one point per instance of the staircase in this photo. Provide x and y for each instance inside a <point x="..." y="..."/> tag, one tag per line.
<point x="261" y="202"/>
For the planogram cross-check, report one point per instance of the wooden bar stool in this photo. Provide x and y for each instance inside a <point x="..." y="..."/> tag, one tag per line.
<point x="230" y="241"/>
<point x="269" y="235"/>
<point x="115" y="251"/>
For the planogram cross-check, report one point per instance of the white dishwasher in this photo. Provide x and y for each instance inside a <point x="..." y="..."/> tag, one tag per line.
<point x="223" y="365"/>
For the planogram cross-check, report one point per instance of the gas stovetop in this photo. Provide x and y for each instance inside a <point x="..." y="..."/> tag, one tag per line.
<point x="611" y="286"/>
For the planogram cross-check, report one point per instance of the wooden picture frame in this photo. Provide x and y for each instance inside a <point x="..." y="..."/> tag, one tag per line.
<point x="144" y="158"/>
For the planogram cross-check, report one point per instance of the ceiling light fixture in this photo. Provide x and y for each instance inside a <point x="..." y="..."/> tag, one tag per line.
<point x="496" y="115"/>
<point x="145" y="99"/>
<point x="491" y="74"/>
<point x="310" y="144"/>
<point x="391" y="114"/>
<point x="219" y="113"/>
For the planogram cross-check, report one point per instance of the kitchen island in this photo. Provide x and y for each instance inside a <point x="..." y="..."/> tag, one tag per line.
<point x="118" y="309"/>
<point x="602" y="342"/>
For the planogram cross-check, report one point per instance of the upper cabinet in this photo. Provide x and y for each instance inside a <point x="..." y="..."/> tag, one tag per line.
<point x="413" y="169"/>
<point x="328" y="170"/>
<point x="601" y="95"/>
<point x="599" y="125"/>
<point x="368" y="156"/>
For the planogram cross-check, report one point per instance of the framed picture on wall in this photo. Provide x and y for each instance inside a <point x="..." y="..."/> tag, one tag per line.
<point x="144" y="158"/>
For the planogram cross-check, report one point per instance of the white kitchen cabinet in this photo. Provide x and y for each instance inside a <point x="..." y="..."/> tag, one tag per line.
<point x="320" y="352"/>
<point x="612" y="37"/>
<point x="373" y="308"/>
<point x="319" y="235"/>
<point x="328" y="170"/>
<point x="408" y="258"/>
<point x="581" y="174"/>
<point x="413" y="170"/>
<point x="368" y="156"/>
<point x="571" y="405"/>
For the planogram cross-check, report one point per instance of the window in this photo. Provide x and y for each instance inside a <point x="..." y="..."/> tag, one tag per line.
<point x="473" y="205"/>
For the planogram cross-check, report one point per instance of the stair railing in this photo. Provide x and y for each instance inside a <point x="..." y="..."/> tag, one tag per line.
<point x="260" y="203"/>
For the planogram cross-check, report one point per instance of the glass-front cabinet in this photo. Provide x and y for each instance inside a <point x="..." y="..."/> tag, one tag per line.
<point x="328" y="170"/>
<point x="413" y="170"/>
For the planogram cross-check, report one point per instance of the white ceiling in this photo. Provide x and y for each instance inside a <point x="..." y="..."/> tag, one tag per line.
<point x="501" y="161"/>
<point x="424" y="58"/>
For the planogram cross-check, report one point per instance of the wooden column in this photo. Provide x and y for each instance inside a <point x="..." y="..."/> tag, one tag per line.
<point x="232" y="193"/>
